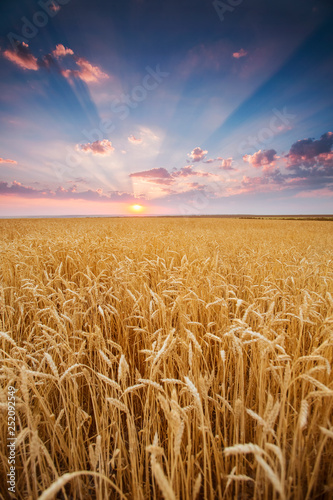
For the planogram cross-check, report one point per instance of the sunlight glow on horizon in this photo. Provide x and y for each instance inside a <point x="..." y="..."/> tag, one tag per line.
<point x="136" y="208"/>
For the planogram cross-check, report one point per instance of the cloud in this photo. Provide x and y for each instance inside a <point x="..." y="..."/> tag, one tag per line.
<point x="264" y="158"/>
<point x="22" y="57"/>
<point x="310" y="152"/>
<point x="197" y="154"/>
<point x="3" y="160"/>
<point x="148" y="135"/>
<point x="161" y="176"/>
<point x="134" y="140"/>
<point x="154" y="172"/>
<point x="226" y="164"/>
<point x="61" y="193"/>
<point x="326" y="160"/>
<point x="271" y="179"/>
<point x="156" y="175"/>
<point x="311" y="160"/>
<point x="121" y="196"/>
<point x="103" y="147"/>
<point x="211" y="160"/>
<point x="79" y="180"/>
<point x="188" y="171"/>
<point x="61" y="51"/>
<point x="239" y="54"/>
<point x="87" y="72"/>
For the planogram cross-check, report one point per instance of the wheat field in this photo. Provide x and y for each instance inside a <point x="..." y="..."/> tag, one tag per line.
<point x="167" y="358"/>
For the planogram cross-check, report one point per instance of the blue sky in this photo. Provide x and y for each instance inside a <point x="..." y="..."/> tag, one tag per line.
<point x="192" y="107"/>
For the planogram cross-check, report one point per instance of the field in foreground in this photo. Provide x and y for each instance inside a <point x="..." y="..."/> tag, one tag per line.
<point x="174" y="358"/>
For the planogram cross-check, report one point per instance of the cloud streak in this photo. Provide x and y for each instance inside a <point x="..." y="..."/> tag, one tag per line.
<point x="3" y="160"/>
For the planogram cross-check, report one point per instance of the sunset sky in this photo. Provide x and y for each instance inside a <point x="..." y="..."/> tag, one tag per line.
<point x="179" y="107"/>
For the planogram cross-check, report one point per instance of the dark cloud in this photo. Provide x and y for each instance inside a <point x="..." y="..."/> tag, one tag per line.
<point x="311" y="158"/>
<point x="307" y="149"/>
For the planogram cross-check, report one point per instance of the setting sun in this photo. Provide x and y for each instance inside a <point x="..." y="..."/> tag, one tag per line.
<point x="136" y="208"/>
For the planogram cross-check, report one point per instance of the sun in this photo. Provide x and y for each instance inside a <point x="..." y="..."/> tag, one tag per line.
<point x="136" y="208"/>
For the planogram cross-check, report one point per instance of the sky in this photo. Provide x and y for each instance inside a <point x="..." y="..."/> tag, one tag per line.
<point x="187" y="107"/>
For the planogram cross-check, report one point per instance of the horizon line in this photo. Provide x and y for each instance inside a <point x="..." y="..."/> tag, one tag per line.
<point x="112" y="216"/>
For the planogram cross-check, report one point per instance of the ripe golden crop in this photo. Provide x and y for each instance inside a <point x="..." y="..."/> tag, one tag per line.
<point x="168" y="358"/>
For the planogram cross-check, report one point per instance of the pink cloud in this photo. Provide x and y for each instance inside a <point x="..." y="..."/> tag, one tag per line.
<point x="226" y="164"/>
<point x="61" y="51"/>
<point x="22" y="57"/>
<point x="188" y="171"/>
<point x="197" y="154"/>
<point x="261" y="158"/>
<point x="326" y="159"/>
<point x="103" y="147"/>
<point x="183" y="172"/>
<point x="162" y="177"/>
<point x="134" y="140"/>
<point x="3" y="160"/>
<point x="155" y="175"/>
<point x="211" y="160"/>
<point x="87" y="72"/>
<point x="259" y="185"/>
<point x="239" y="54"/>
